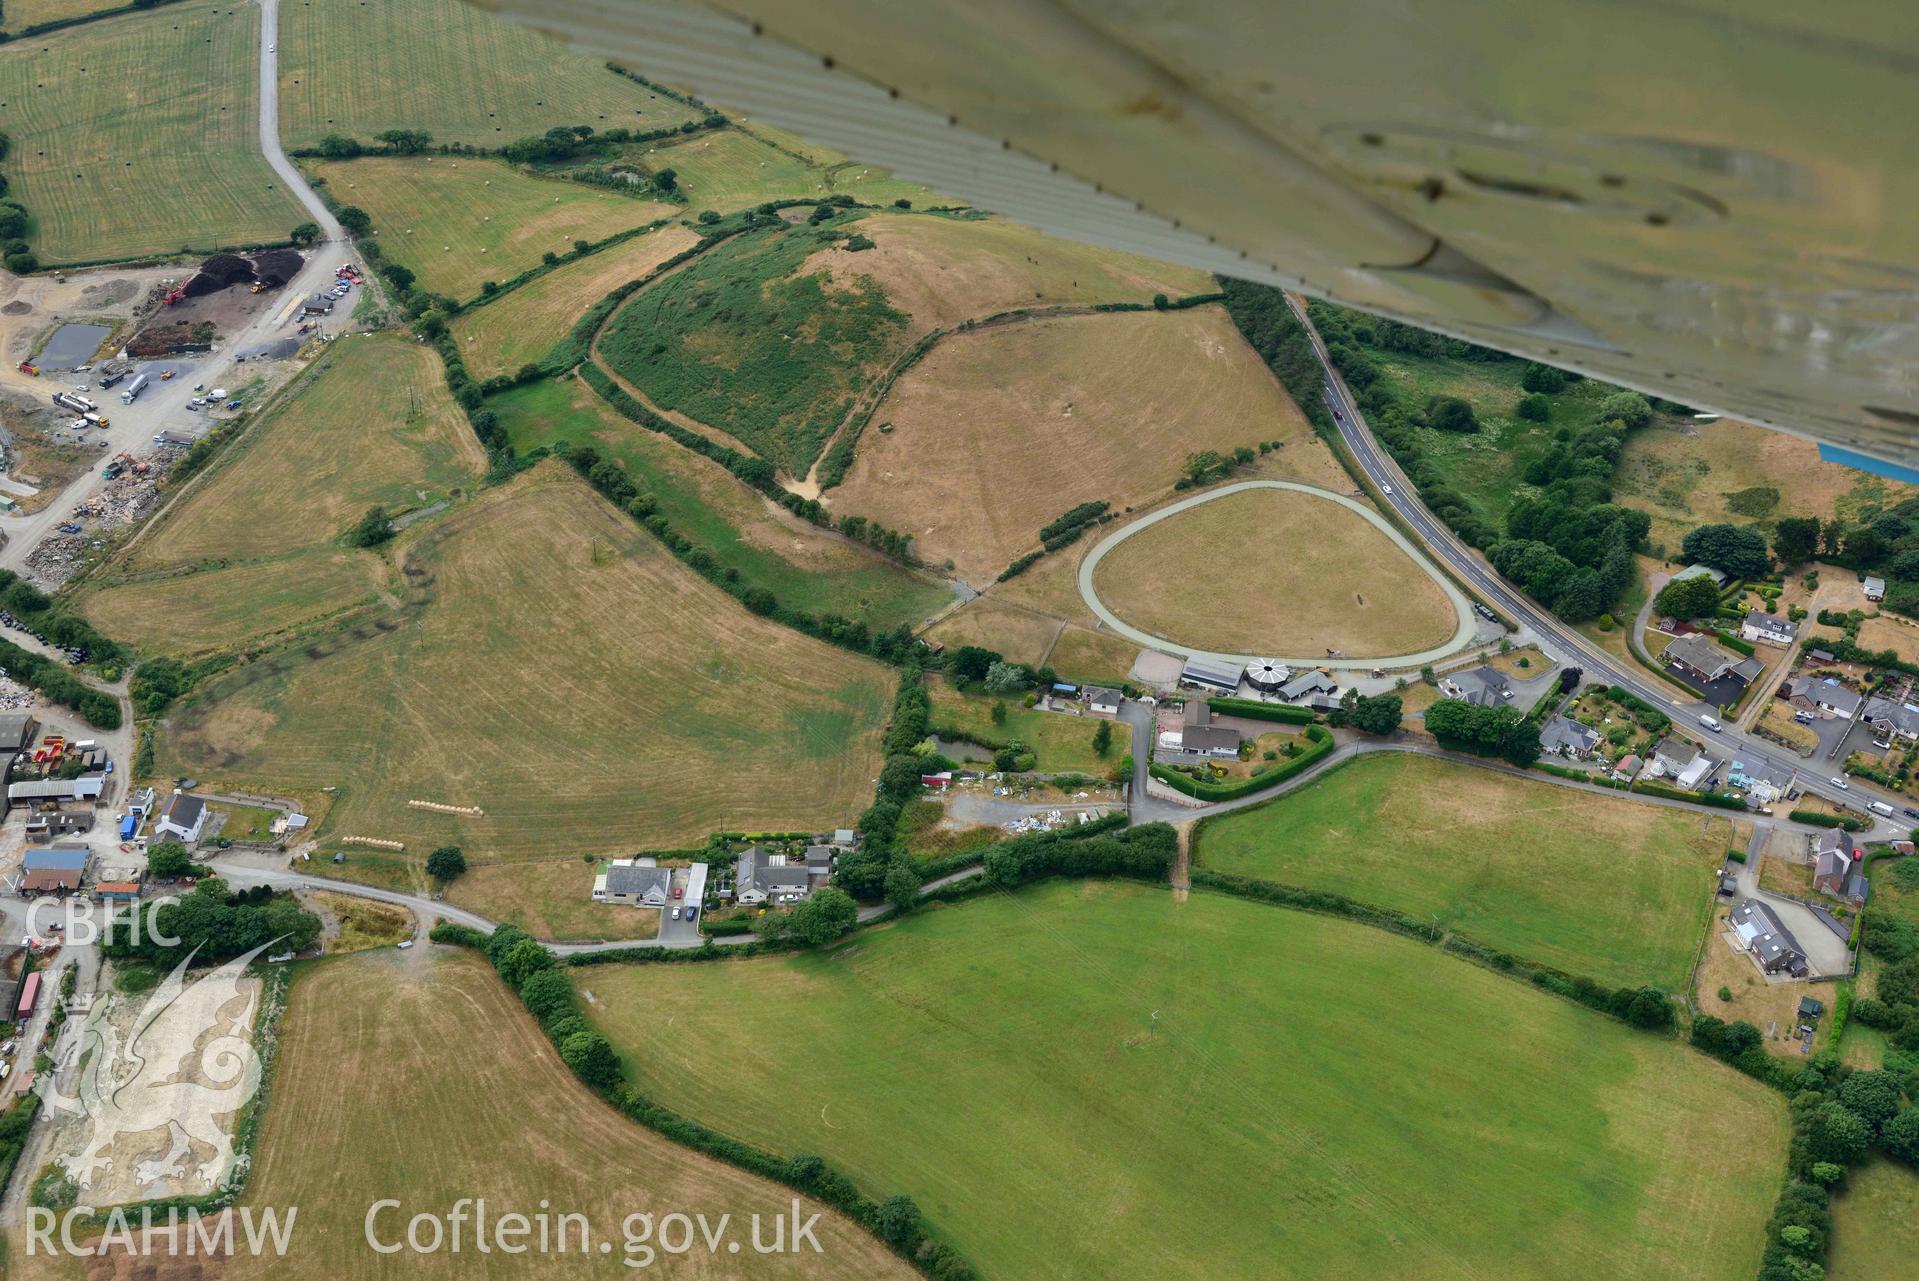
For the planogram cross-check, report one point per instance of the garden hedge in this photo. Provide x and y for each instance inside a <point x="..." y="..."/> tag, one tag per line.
<point x="1321" y="737"/>
<point x="1255" y="710"/>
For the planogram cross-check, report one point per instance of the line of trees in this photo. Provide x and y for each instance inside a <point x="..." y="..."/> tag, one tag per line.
<point x="1484" y="731"/>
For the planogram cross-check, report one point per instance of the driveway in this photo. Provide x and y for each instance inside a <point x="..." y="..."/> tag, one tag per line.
<point x="1826" y="953"/>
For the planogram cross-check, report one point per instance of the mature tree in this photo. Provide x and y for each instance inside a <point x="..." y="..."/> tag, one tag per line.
<point x="1376" y="714"/>
<point x="1836" y="1133"/>
<point x="1694" y="597"/>
<point x="370" y="530"/>
<point x="900" y="776"/>
<point x="1901" y="1136"/>
<point x="399" y="277"/>
<point x="448" y="863"/>
<point x="1795" y="539"/>
<point x="1826" y="1174"/>
<point x="548" y="994"/>
<point x="1732" y="549"/>
<point x="337" y="147"/>
<point x="825" y="916"/>
<point x="304" y="234"/>
<point x="1103" y="738"/>
<point x="355" y="219"/>
<point x="971" y="662"/>
<point x="13" y="219"/>
<point x="168" y="859"/>
<point x="522" y="960"/>
<point x="1873" y="1096"/>
<point x="405" y="142"/>
<point x="1003" y="678"/>
<point x="898" y="1221"/>
<point x="592" y="1059"/>
<point x="1542" y="378"/>
<point x="902" y="885"/>
<point x="1534" y="407"/>
<point x="1484" y="731"/>
<point x="1450" y="413"/>
<point x="1628" y="407"/>
<point x="1863" y="546"/>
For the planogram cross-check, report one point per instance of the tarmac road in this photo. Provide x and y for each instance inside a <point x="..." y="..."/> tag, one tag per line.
<point x="1573" y="649"/>
<point x="163" y="404"/>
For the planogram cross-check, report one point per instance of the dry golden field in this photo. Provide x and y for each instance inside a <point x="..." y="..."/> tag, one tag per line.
<point x="555" y="666"/>
<point x="1275" y="571"/>
<point x="997" y="432"/>
<point x="524" y="325"/>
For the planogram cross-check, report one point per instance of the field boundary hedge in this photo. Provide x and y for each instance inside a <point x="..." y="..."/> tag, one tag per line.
<point x="1322" y="745"/>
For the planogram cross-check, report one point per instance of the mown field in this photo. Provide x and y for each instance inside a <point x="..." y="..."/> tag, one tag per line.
<point x="137" y="135"/>
<point x="555" y="666"/>
<point x="768" y="546"/>
<point x="380" y="1026"/>
<point x="997" y="432"/>
<point x="1686" y="474"/>
<point x="773" y="336"/>
<point x="21" y="14"/>
<point x="449" y="68"/>
<point x="1067" y="1088"/>
<point x="1594" y="885"/>
<point x="742" y="166"/>
<point x="1875" y="1235"/>
<point x="251" y="549"/>
<point x="524" y="325"/>
<point x="1302" y="575"/>
<point x="457" y="222"/>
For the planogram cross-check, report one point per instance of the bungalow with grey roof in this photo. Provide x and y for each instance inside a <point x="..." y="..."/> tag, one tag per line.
<point x="1198" y="735"/>
<point x="1684" y="762"/>
<point x="1699" y="658"/>
<point x="1308" y="684"/>
<point x="1568" y="738"/>
<point x="762" y="876"/>
<point x="630" y="881"/>
<point x="1893" y="720"/>
<point x="1101" y="701"/>
<point x="1836" y="867"/>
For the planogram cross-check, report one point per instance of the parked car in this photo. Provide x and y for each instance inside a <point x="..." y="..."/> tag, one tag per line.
<point x="676" y="913"/>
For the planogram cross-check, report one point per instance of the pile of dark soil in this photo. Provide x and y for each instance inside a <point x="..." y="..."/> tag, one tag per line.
<point x="275" y="267"/>
<point x="220" y="272"/>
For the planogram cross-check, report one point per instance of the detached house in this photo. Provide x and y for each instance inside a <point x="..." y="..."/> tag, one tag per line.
<point x="1705" y="662"/>
<point x="1568" y="738"/>
<point x="1768" y="629"/>
<point x="629" y="881"/>
<point x="1892" y="720"/>
<point x="1836" y="867"/>
<point x="1197" y="734"/>
<point x="1771" y="944"/>
<point x="1101" y="701"/>
<point x="1686" y="764"/>
<point x="760" y="876"/>
<point x="181" y="818"/>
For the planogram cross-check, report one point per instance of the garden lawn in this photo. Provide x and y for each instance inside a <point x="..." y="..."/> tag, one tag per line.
<point x="452" y="69"/>
<point x="457" y="222"/>
<point x="769" y="547"/>
<point x="1602" y="886"/>
<point x="136" y="135"/>
<point x="1060" y="743"/>
<point x="1097" y="1080"/>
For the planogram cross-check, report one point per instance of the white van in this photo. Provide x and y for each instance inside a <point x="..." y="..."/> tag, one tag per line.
<point x="1710" y="722"/>
<point x="1880" y="807"/>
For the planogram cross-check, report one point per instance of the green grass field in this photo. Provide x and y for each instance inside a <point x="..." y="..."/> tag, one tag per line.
<point x="737" y="168"/>
<point x="524" y="324"/>
<point x="1875" y="1234"/>
<point x="253" y="545"/>
<point x="449" y="68"/>
<point x="768" y="546"/>
<point x="555" y="666"/>
<point x="136" y="135"/>
<point x="1314" y="1099"/>
<point x="1594" y="885"/>
<point x="439" y="1041"/>
<point x="457" y="222"/>
<point x="1864" y="1046"/>
<point x="21" y="14"/>
<point x="1060" y="743"/>
<point x="742" y="339"/>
